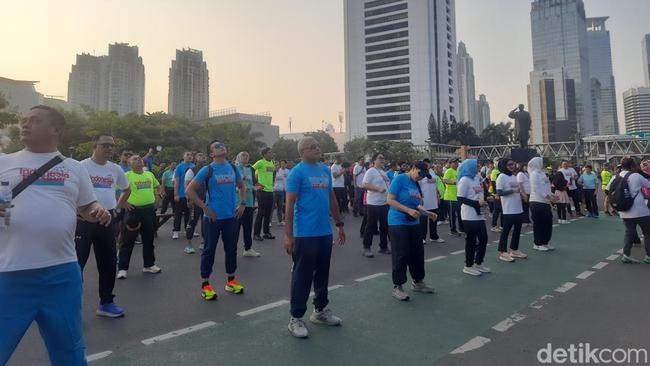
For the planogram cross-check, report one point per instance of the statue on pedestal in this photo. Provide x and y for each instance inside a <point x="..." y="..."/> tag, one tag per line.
<point x="522" y="125"/>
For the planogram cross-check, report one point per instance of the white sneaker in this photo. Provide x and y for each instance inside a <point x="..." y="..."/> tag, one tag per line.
<point x="550" y="247"/>
<point x="439" y="240"/>
<point x="174" y="235"/>
<point x="400" y="294"/>
<point x="297" y="328"/>
<point x="495" y="229"/>
<point x="189" y="250"/>
<point x="541" y="248"/>
<point x="424" y="241"/>
<point x="506" y="257"/>
<point x="471" y="271"/>
<point x="152" y="269"/>
<point x="121" y="274"/>
<point x="251" y="253"/>
<point x="324" y="317"/>
<point x="481" y="268"/>
<point x="518" y="254"/>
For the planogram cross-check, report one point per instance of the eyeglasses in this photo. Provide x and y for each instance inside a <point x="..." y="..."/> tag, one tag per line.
<point x="312" y="147"/>
<point x="108" y="146"/>
<point x="219" y="146"/>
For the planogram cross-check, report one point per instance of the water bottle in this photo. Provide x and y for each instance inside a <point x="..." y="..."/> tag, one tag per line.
<point x="5" y="202"/>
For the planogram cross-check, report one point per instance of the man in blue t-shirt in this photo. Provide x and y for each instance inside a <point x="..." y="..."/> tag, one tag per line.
<point x="221" y="212"/>
<point x="182" y="211"/>
<point x="310" y="201"/>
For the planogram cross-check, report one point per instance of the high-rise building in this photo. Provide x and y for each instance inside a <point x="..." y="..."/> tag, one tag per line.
<point x="467" y="103"/>
<point x="400" y="67"/>
<point x="645" y="45"/>
<point x="637" y="110"/>
<point x="603" y="85"/>
<point x="84" y="81"/>
<point x="560" y="87"/>
<point x="483" y="114"/>
<point x="189" y="85"/>
<point x="113" y="83"/>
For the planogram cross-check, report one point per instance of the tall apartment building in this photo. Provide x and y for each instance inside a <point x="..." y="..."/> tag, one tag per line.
<point x="189" y="85"/>
<point x="467" y="104"/>
<point x="645" y="46"/>
<point x="483" y="114"/>
<point x="637" y="110"/>
<point x="603" y="85"/>
<point x="113" y="83"/>
<point x="400" y="67"/>
<point x="560" y="86"/>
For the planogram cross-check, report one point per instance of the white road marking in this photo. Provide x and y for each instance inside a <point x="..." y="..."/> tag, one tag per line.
<point x="508" y="322"/>
<point x="556" y="225"/>
<point x="600" y="265"/>
<point x="566" y="287"/>
<point x="472" y="344"/>
<point x="436" y="258"/>
<point x="584" y="275"/>
<point x="263" y="308"/>
<point x="370" y="277"/>
<point x="612" y="257"/>
<point x="334" y="287"/>
<point x="496" y="242"/>
<point x="458" y="252"/>
<point x="98" y="356"/>
<point x="179" y="332"/>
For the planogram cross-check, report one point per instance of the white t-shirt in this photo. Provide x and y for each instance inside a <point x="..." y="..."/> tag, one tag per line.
<point x="189" y="175"/>
<point x="571" y="176"/>
<point x="105" y="179"/>
<point x="357" y="175"/>
<point x="540" y="187"/>
<point x="510" y="204"/>
<point x="44" y="216"/>
<point x="522" y="178"/>
<point x="280" y="182"/>
<point x="376" y="178"/>
<point x="635" y="182"/>
<point x="337" y="182"/>
<point x="472" y="190"/>
<point x="429" y="189"/>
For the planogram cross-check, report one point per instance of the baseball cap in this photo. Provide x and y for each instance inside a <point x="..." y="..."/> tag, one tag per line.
<point x="424" y="169"/>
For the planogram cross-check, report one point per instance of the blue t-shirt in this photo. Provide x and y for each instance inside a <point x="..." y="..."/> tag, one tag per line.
<point x="222" y="189"/>
<point x="391" y="174"/>
<point x="406" y="192"/>
<point x="168" y="179"/>
<point x="313" y="184"/>
<point x="246" y="173"/>
<point x="179" y="173"/>
<point x="589" y="181"/>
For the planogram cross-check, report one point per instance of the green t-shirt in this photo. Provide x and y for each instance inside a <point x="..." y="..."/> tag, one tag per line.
<point x="605" y="176"/>
<point x="493" y="179"/>
<point x="450" y="189"/>
<point x="142" y="188"/>
<point x="264" y="170"/>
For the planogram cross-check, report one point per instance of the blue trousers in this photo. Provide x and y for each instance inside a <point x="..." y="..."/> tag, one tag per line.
<point x="311" y="264"/>
<point x="228" y="230"/>
<point x="50" y="296"/>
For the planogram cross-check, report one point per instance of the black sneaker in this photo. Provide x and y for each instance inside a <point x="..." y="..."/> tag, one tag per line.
<point x="268" y="236"/>
<point x="258" y="238"/>
<point x="385" y="251"/>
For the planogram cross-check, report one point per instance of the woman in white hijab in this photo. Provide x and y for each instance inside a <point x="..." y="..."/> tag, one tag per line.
<point x="540" y="205"/>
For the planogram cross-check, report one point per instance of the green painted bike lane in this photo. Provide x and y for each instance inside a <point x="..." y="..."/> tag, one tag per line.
<point x="377" y="329"/>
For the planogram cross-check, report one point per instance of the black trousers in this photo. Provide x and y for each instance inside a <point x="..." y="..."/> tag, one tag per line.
<point x="498" y="212"/>
<point x="542" y="222"/>
<point x="510" y="222"/>
<point x="408" y="253"/>
<point x="561" y="210"/>
<point x="264" y="212"/>
<point x="246" y="225"/>
<point x="444" y="210"/>
<point x="475" y="242"/>
<point x="196" y="215"/>
<point x="525" y="216"/>
<point x="146" y="218"/>
<point x="168" y="201"/>
<point x="102" y="239"/>
<point x="357" y="206"/>
<point x="311" y="265"/>
<point x="182" y="212"/>
<point x="374" y="215"/>
<point x="590" y="201"/>
<point x="630" y="233"/>
<point x="433" y="226"/>
<point x="341" y="198"/>
<point x="575" y="197"/>
<point x="454" y="216"/>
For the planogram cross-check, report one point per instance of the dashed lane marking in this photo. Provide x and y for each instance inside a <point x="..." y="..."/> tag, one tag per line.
<point x="435" y="258"/>
<point x="472" y="344"/>
<point x="179" y="332"/>
<point x="98" y="356"/>
<point x="566" y="287"/>
<point x="584" y="275"/>
<point x="370" y="277"/>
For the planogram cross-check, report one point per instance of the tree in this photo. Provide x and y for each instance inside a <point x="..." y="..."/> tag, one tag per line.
<point x="444" y="129"/>
<point x="498" y="134"/>
<point x="7" y="117"/>
<point x="462" y="133"/>
<point x="327" y="143"/>
<point x="434" y="131"/>
<point x="395" y="151"/>
<point x="357" y="147"/>
<point x="285" y="149"/>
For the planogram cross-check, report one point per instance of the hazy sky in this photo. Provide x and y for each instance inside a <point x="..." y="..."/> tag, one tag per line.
<point x="279" y="56"/>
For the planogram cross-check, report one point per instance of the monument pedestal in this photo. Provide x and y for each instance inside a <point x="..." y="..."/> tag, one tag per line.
<point x="521" y="155"/>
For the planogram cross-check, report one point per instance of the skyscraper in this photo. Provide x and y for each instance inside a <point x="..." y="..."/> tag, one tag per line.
<point x="113" y="83"/>
<point x="645" y="45"/>
<point x="603" y="85"/>
<point x="400" y="67"/>
<point x="637" y="110"/>
<point x="483" y="114"/>
<point x="560" y="86"/>
<point x="189" y="85"/>
<point x="466" y="88"/>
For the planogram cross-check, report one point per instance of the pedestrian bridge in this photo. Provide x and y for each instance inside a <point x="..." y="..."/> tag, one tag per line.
<point x="595" y="149"/>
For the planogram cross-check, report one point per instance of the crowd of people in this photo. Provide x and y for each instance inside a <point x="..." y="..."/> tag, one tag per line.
<point x="220" y="195"/>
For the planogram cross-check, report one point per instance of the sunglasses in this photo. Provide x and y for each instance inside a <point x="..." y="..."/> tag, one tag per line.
<point x="218" y="146"/>
<point x="108" y="146"/>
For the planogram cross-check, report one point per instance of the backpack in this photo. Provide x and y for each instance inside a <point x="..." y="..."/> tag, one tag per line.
<point x="209" y="175"/>
<point x="619" y="195"/>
